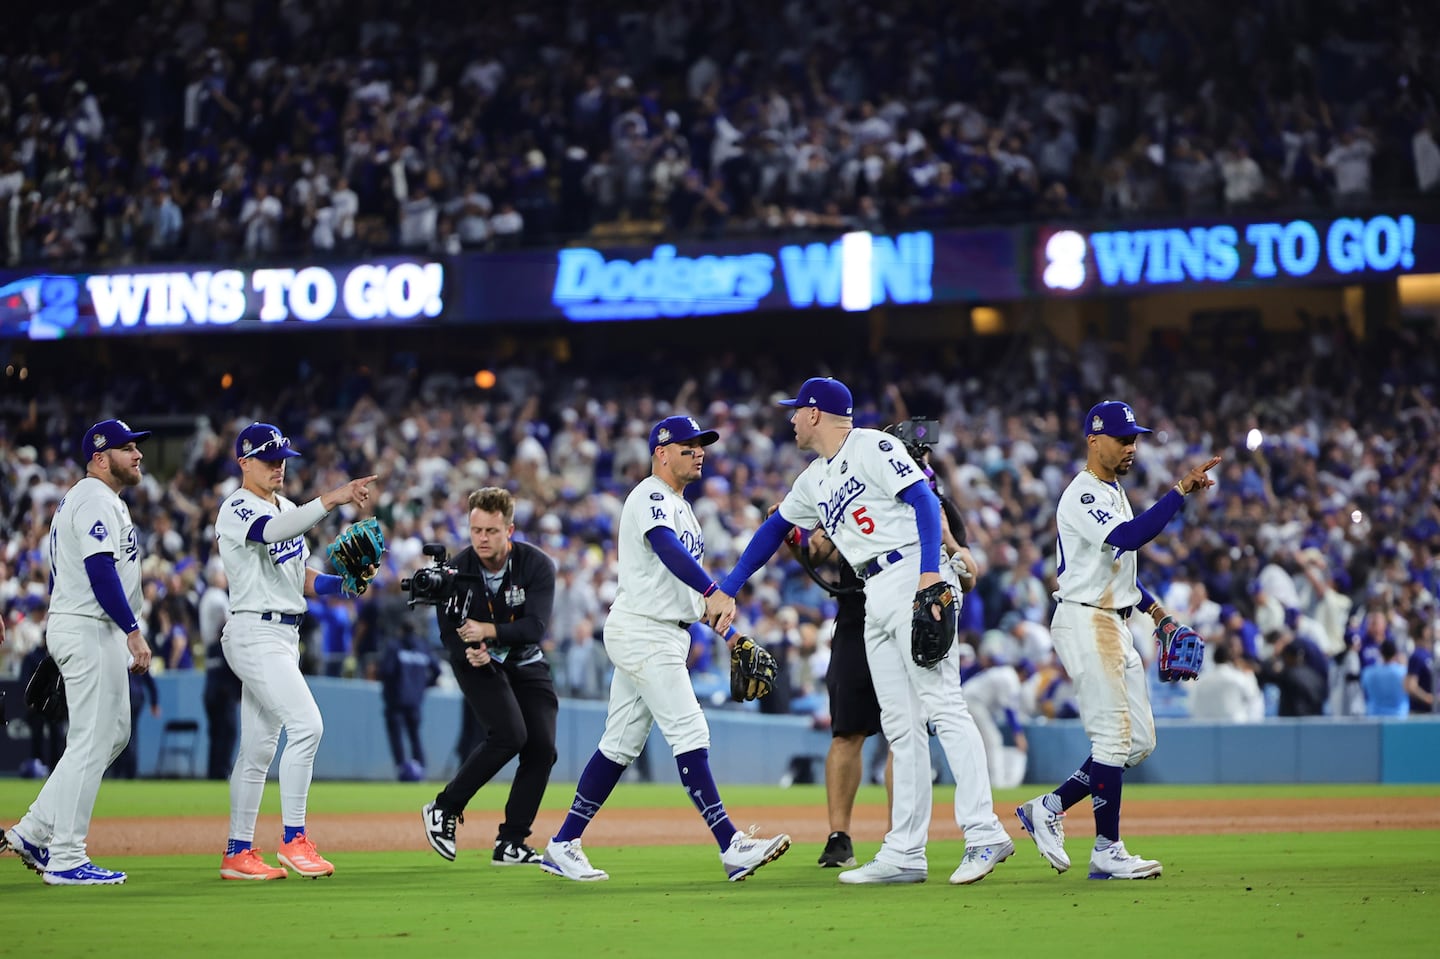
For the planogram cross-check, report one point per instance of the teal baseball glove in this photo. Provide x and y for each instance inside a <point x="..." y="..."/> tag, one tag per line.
<point x="355" y="555"/>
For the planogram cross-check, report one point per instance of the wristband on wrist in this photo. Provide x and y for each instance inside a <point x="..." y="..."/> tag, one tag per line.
<point x="711" y="589"/>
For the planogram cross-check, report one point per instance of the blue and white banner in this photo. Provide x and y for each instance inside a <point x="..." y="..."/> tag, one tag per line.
<point x="1245" y="252"/>
<point x="855" y="271"/>
<point x="46" y="306"/>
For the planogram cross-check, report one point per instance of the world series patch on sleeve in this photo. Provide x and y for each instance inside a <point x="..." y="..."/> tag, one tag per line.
<point x="355" y="555"/>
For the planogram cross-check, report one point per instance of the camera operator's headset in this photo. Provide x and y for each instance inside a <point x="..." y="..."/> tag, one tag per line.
<point x="916" y="434"/>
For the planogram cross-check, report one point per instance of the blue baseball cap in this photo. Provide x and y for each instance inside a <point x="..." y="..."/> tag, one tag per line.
<point x="826" y="394"/>
<point x="108" y="435"/>
<point x="680" y="429"/>
<point x="1112" y="418"/>
<point x="263" y="442"/>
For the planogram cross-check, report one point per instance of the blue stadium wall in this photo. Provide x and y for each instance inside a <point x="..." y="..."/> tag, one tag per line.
<point x="751" y="748"/>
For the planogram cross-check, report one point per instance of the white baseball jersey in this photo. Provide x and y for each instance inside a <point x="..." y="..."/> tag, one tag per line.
<point x="646" y="587"/>
<point x="91" y="519"/>
<point x="853" y="496"/>
<point x="1087" y="569"/>
<point x="264" y="577"/>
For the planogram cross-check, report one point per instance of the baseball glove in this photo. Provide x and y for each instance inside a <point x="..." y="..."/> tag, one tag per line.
<point x="1182" y="651"/>
<point x="355" y="555"/>
<point x="45" y="693"/>
<point x="752" y="670"/>
<point x="931" y="638"/>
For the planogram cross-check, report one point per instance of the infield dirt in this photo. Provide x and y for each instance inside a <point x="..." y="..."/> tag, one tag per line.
<point x="347" y="832"/>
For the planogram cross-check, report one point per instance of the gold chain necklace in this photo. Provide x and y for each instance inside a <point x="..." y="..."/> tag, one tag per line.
<point x="1097" y="477"/>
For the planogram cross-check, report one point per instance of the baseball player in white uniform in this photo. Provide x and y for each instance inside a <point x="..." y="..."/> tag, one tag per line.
<point x="662" y="590"/>
<point x="993" y="694"/>
<point x="1098" y="589"/>
<point x="262" y="547"/>
<point x="876" y="506"/>
<point x="94" y="636"/>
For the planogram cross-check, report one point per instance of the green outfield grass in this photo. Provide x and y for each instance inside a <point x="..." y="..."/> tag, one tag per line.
<point x="1232" y="896"/>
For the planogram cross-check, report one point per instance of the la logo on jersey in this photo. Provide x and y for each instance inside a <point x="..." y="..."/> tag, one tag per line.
<point x="99" y="532"/>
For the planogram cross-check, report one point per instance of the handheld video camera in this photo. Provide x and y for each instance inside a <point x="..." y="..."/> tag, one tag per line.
<point x="434" y="584"/>
<point x="918" y="433"/>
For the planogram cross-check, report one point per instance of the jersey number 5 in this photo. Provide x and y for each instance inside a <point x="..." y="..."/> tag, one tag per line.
<point x="865" y="523"/>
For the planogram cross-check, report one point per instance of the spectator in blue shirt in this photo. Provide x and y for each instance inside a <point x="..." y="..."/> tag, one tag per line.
<point x="1384" y="683"/>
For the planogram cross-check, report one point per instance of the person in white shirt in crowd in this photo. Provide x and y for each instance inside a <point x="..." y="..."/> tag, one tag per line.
<point x="1228" y="691"/>
<point x="1349" y="162"/>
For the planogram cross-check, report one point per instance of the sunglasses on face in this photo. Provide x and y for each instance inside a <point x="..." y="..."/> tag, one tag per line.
<point x="274" y="443"/>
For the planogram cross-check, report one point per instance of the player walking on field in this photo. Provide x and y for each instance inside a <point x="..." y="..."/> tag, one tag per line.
<point x="874" y="503"/>
<point x="94" y="636"/>
<point x="1099" y="537"/>
<point x="262" y="547"/>
<point x="662" y="590"/>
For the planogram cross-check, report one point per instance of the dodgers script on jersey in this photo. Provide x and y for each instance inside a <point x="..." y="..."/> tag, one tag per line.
<point x="264" y="577"/>
<point x="91" y="519"/>
<point x="1088" y="570"/>
<point x="646" y="587"/>
<point x="853" y="496"/>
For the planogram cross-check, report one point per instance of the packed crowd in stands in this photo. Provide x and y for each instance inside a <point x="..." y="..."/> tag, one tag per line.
<point x="218" y="129"/>
<point x="1313" y="568"/>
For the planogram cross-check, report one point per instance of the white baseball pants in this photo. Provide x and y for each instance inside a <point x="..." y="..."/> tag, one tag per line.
<point x="1099" y="653"/>
<point x="651" y="685"/>
<point x="92" y="657"/>
<point x="266" y="657"/>
<point x="909" y="697"/>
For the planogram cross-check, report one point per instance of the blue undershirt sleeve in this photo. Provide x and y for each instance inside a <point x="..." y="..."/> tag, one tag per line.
<point x="109" y="592"/>
<point x="927" y="521"/>
<point x="677" y="559"/>
<point x="1147" y="599"/>
<point x="1133" y="534"/>
<point x="762" y="546"/>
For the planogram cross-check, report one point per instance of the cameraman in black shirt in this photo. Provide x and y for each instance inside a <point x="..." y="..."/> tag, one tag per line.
<point x="492" y="625"/>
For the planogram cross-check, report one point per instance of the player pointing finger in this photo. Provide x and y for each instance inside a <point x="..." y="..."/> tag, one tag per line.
<point x="356" y="491"/>
<point x="1197" y="478"/>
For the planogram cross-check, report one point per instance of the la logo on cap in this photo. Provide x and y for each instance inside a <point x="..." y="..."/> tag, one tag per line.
<point x="693" y="425"/>
<point x="1129" y="415"/>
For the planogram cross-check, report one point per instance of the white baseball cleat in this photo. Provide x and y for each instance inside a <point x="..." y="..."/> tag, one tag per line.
<point x="1116" y="862"/>
<point x="979" y="861"/>
<point x="878" y="872"/>
<point x="1048" y="831"/>
<point x="747" y="853"/>
<point x="565" y="858"/>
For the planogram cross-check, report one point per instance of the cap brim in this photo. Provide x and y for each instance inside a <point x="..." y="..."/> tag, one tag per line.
<point x="790" y="402"/>
<point x="137" y="437"/>
<point x="706" y="437"/>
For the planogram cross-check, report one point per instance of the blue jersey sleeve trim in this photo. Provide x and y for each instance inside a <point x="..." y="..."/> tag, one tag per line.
<point x="677" y="559"/>
<point x="1133" y="534"/>
<point x="762" y="546"/>
<point x="109" y="591"/>
<point x="927" y="523"/>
